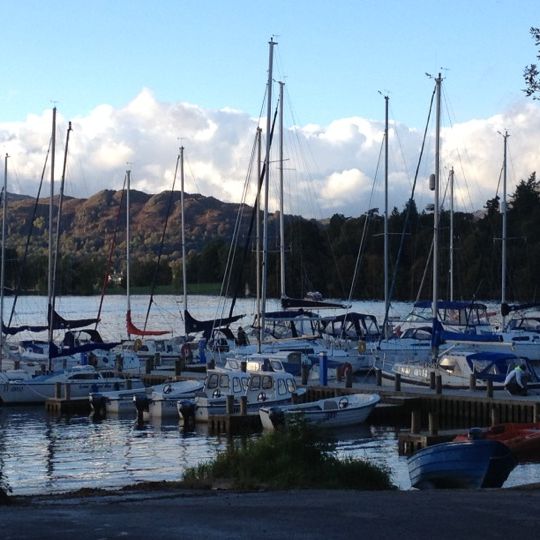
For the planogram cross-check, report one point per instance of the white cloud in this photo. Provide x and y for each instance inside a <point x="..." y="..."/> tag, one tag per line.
<point x="329" y="169"/>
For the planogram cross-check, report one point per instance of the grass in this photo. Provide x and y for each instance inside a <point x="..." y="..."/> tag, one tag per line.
<point x="299" y="457"/>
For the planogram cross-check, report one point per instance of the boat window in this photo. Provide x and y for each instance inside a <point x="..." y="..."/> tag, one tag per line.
<point x="276" y="365"/>
<point x="237" y="385"/>
<point x="245" y="383"/>
<point x="255" y="382"/>
<point x="233" y="364"/>
<point x="224" y="381"/>
<point x="82" y="376"/>
<point x="282" y="389"/>
<point x="267" y="383"/>
<point x="291" y="385"/>
<point x="212" y="380"/>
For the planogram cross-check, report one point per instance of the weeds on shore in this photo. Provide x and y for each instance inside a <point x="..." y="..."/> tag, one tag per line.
<point x="298" y="457"/>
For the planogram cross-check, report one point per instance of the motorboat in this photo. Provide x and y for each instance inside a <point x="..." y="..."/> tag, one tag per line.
<point x="161" y="400"/>
<point x="81" y="381"/>
<point x="456" y="367"/>
<point x="523" y="439"/>
<point x="332" y="412"/>
<point x="259" y="387"/>
<point x="477" y="463"/>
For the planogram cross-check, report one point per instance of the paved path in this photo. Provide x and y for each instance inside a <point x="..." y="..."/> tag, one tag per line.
<point x="313" y="515"/>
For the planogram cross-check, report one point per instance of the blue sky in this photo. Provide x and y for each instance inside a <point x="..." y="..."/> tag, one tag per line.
<point x="335" y="58"/>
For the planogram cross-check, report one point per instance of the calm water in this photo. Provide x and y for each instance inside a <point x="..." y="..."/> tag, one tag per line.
<point x="40" y="453"/>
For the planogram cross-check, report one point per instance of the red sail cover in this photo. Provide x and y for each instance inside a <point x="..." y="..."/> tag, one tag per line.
<point x="133" y="330"/>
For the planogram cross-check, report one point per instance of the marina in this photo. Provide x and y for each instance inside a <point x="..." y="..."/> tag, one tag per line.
<point x="62" y="447"/>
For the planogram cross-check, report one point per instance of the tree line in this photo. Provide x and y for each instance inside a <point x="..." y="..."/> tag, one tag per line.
<point x="341" y="257"/>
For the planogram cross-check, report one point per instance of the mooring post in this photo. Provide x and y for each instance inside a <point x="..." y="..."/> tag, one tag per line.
<point x="378" y="376"/>
<point x="494" y="414"/>
<point x="67" y="391"/>
<point x="305" y="374"/>
<point x="243" y="405"/>
<point x="243" y="366"/>
<point x="536" y="412"/>
<point x="149" y="365"/>
<point x="415" y="421"/>
<point x="211" y="364"/>
<point x="397" y="382"/>
<point x="58" y="390"/>
<point x="348" y="378"/>
<point x="472" y="381"/>
<point x="229" y="404"/>
<point x="433" y="423"/>
<point x="438" y="384"/>
<point x="432" y="380"/>
<point x="489" y="388"/>
<point x="178" y="367"/>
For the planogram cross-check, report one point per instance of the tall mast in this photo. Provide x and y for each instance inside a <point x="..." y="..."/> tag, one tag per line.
<point x="386" y="295"/>
<point x="281" y="217"/>
<point x="258" y="230"/>
<point x="438" y="81"/>
<point x="451" y="270"/>
<point x="184" y="264"/>
<point x="3" y="265"/>
<point x="504" y="237"/>
<point x="51" y="232"/>
<point x="266" y="188"/>
<point x="128" y="241"/>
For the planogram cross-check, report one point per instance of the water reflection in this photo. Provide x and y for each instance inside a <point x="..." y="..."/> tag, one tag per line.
<point x="40" y="453"/>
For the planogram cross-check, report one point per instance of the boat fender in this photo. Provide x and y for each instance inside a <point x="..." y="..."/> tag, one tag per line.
<point x="167" y="389"/>
<point x="261" y="396"/>
<point x="343" y="403"/>
<point x="361" y="346"/>
<point x="137" y="345"/>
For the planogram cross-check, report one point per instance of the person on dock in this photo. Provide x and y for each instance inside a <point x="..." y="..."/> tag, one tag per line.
<point x="516" y="381"/>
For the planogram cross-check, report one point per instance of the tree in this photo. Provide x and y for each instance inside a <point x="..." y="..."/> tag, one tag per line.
<point x="531" y="74"/>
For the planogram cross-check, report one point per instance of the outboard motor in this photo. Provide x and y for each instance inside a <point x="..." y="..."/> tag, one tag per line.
<point x="277" y="417"/>
<point x="98" y="403"/>
<point x="142" y="405"/>
<point x="187" y="410"/>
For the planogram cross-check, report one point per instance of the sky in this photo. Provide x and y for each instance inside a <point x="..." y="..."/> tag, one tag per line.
<point x="139" y="78"/>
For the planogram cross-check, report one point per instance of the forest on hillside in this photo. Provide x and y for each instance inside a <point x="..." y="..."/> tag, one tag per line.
<point x="340" y="257"/>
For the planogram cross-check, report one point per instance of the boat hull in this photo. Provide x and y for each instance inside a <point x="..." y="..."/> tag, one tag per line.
<point x="471" y="464"/>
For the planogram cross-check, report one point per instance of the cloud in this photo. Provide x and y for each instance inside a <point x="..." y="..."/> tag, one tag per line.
<point x="338" y="168"/>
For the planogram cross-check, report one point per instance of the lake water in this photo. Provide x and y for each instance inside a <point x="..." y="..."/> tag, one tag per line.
<point x="41" y="453"/>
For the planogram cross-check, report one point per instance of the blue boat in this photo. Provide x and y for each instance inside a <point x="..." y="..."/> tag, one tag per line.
<point x="470" y="464"/>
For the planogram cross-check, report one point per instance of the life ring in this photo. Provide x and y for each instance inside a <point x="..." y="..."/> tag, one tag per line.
<point x="186" y="352"/>
<point x="261" y="396"/>
<point x="137" y="344"/>
<point x="343" y="403"/>
<point x="361" y="346"/>
<point x="344" y="369"/>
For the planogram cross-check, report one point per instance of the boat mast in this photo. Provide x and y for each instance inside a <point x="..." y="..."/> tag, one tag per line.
<point x="184" y="263"/>
<point x="281" y="217"/>
<point x="266" y="189"/>
<point x="386" y="248"/>
<point x="51" y="237"/>
<point x="128" y="241"/>
<point x="451" y="270"/>
<point x="504" y="237"/>
<point x="258" y="232"/>
<point x="3" y="266"/>
<point x="438" y="80"/>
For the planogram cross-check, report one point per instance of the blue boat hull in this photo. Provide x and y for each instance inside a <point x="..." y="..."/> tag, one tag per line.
<point x="471" y="464"/>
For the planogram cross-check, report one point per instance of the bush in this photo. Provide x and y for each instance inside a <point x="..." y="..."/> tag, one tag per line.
<point x="299" y="457"/>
